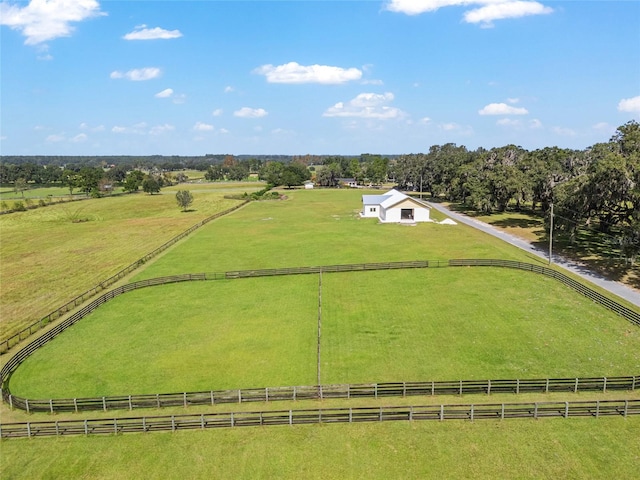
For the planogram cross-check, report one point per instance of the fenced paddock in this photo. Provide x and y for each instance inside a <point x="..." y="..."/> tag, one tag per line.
<point x="25" y="352"/>
<point x="348" y="391"/>
<point x="468" y="412"/>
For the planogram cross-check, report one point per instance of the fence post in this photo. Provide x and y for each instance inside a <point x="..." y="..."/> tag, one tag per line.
<point x="441" y="412"/>
<point x="104" y="404"/>
<point x="488" y="387"/>
<point x="173" y="423"/>
<point x="604" y="385"/>
<point x="566" y="409"/>
<point x="75" y="404"/>
<point x="184" y="399"/>
<point x="28" y="429"/>
<point x="546" y="389"/>
<point x="212" y="399"/>
<point x="597" y="408"/>
<point x="51" y="405"/>
<point x="11" y="401"/>
<point x="535" y="410"/>
<point x="626" y="407"/>
<point x="26" y="401"/>
<point x="472" y="412"/>
<point x="575" y="388"/>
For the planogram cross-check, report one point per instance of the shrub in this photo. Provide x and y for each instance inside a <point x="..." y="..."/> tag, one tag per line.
<point x="19" y="206"/>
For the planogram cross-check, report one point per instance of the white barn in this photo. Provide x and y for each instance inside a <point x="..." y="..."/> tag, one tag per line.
<point x="395" y="207"/>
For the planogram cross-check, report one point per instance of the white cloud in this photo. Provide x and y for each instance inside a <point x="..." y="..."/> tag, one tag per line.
<point x="141" y="32"/>
<point x="3" y="137"/>
<point x="160" y="129"/>
<point x="513" y="100"/>
<point x="509" y="122"/>
<point x="138" y="74"/>
<point x="86" y="126"/>
<point x="246" y="112"/>
<point x="510" y="9"/>
<point x="229" y="89"/>
<point x="630" y="105"/>
<point x="293" y="72"/>
<point x="535" y="123"/>
<point x="44" y="20"/>
<point x="488" y="10"/>
<point x="425" y="120"/>
<point x="138" y="128"/>
<point x="502" y="109"/>
<point x="458" y="129"/>
<point x="81" y="137"/>
<point x="366" y="105"/>
<point x="565" y="132"/>
<point x="56" y="138"/>
<point x="217" y="112"/>
<point x="203" y="127"/>
<point x="223" y="130"/>
<point x="166" y="93"/>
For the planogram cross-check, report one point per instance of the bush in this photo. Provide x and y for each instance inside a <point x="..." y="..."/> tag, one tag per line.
<point x="19" y="206"/>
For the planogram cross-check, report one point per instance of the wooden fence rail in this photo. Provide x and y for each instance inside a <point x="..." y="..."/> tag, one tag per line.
<point x="363" y="390"/>
<point x="470" y="412"/>
<point x="11" y="341"/>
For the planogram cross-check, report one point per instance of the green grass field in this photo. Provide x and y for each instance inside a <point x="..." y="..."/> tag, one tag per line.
<point x="377" y="326"/>
<point x="46" y="259"/>
<point x="387" y="326"/>
<point x="546" y="449"/>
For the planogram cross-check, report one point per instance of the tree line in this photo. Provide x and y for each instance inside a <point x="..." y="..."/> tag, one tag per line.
<point x="597" y="187"/>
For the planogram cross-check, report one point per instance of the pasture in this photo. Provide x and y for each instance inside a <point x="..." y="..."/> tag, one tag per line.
<point x="440" y="323"/>
<point x="387" y="326"/>
<point x="49" y="255"/>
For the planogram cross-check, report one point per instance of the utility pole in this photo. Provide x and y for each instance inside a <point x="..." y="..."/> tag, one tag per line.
<point x="551" y="235"/>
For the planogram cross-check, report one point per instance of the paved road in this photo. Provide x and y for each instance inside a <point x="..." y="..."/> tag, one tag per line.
<point x="617" y="288"/>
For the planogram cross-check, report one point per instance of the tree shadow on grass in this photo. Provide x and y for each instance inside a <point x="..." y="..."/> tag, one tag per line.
<point x="597" y="252"/>
<point x="519" y="223"/>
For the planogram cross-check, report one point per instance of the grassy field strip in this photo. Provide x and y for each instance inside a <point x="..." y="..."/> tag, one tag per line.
<point x="67" y="258"/>
<point x="580" y="448"/>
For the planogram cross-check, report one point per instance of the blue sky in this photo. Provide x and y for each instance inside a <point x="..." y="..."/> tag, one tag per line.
<point x="88" y="77"/>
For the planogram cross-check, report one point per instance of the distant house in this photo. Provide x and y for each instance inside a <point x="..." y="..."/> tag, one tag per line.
<point x="348" y="182"/>
<point x="395" y="207"/>
<point x="309" y="185"/>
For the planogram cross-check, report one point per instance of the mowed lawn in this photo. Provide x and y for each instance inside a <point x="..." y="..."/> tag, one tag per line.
<point x="388" y="326"/>
<point x="47" y="260"/>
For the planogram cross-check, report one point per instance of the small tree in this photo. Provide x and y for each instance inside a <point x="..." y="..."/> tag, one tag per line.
<point x="20" y="185"/>
<point x="150" y="185"/>
<point x="184" y="199"/>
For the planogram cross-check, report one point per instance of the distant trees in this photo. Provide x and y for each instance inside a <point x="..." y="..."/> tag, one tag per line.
<point x="276" y="173"/>
<point x="184" y="198"/>
<point x="133" y="181"/>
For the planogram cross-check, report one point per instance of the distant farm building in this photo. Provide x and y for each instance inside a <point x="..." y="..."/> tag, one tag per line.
<point x="348" y="182"/>
<point x="395" y="207"/>
<point x="309" y="185"/>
